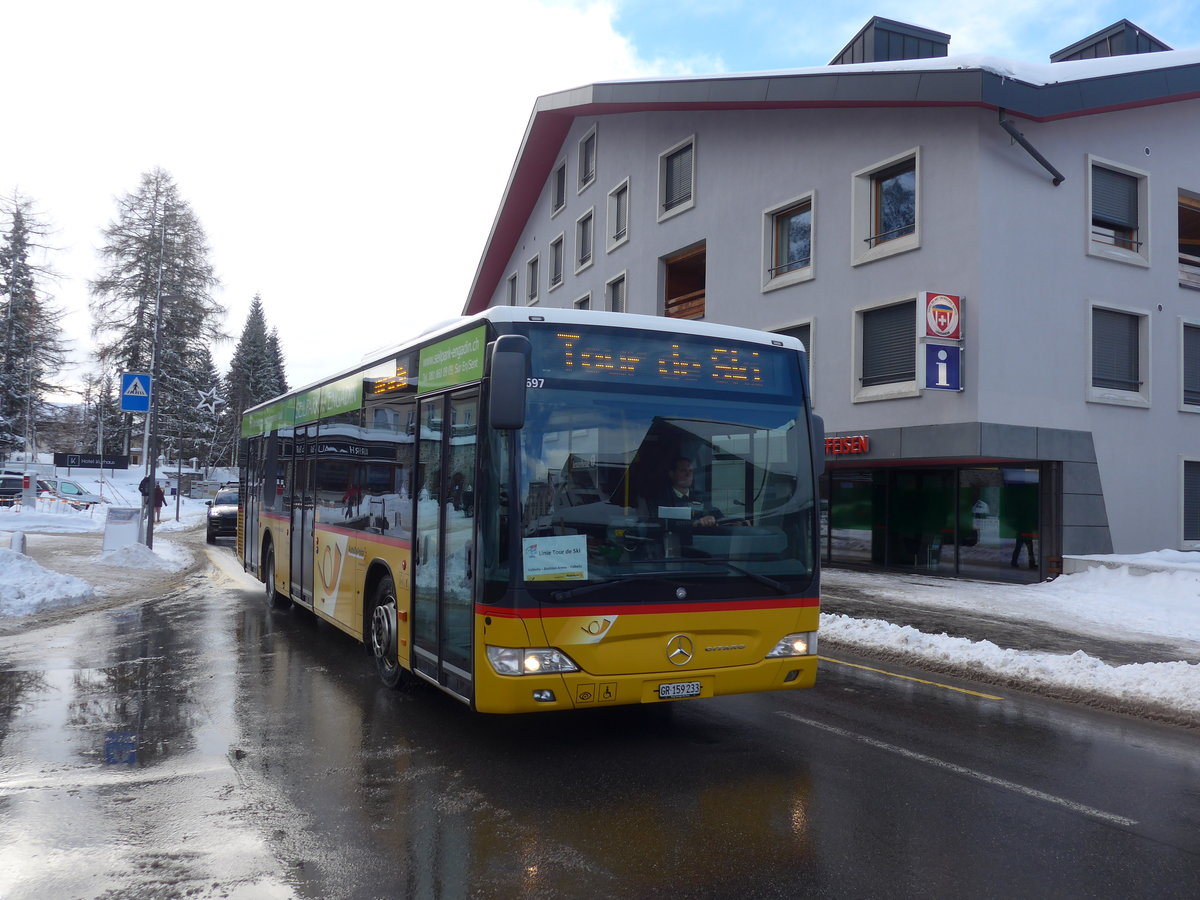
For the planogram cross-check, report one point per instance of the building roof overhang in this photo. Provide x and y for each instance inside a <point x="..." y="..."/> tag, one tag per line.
<point x="1031" y="91"/>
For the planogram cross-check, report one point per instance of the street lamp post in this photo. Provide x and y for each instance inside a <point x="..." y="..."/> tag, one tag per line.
<point x="152" y="440"/>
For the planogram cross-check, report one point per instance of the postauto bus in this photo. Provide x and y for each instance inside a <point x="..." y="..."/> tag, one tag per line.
<point x="483" y="507"/>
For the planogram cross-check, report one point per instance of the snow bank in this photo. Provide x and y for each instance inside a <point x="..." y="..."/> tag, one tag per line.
<point x="25" y="587"/>
<point x="1156" y="686"/>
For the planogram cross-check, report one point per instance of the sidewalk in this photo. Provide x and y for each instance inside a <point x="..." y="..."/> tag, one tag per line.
<point x="842" y="592"/>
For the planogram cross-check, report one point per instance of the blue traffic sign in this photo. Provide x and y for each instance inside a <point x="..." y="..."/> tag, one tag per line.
<point x="135" y="392"/>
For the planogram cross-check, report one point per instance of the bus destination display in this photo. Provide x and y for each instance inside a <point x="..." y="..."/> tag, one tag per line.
<point x="612" y="354"/>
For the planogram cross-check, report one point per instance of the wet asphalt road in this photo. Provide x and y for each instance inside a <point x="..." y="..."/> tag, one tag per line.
<point x="203" y="746"/>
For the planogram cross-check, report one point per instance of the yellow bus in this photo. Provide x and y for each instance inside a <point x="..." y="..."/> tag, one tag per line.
<point x="551" y="509"/>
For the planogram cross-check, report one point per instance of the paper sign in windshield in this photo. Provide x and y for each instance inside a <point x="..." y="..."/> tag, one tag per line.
<point x="561" y="558"/>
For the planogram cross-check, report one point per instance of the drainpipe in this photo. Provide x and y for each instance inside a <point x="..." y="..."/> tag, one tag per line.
<point x="1058" y="178"/>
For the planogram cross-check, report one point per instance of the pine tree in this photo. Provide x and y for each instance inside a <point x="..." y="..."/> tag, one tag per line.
<point x="256" y="371"/>
<point x="156" y="285"/>
<point x="31" y="348"/>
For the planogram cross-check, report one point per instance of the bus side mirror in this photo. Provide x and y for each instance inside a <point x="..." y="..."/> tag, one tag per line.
<point x="510" y="371"/>
<point x="818" y="445"/>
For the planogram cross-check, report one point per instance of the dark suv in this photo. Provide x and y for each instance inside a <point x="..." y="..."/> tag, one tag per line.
<point x="222" y="515"/>
<point x="12" y="485"/>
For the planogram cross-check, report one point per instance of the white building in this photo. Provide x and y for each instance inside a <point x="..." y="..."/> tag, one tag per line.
<point x="1049" y="211"/>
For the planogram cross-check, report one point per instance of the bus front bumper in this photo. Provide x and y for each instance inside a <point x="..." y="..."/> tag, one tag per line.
<point x="579" y="690"/>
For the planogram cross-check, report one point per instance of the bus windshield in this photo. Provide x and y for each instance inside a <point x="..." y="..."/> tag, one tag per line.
<point x="624" y="485"/>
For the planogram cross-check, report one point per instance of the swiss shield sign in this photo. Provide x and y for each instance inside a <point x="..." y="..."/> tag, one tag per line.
<point x="943" y="316"/>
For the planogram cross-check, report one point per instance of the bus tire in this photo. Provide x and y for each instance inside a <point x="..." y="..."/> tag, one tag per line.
<point x="384" y="632"/>
<point x="275" y="600"/>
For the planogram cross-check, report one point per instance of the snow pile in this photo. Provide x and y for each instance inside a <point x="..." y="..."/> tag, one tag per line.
<point x="1102" y="601"/>
<point x="25" y="587"/>
<point x="1174" y="685"/>
<point x="165" y="556"/>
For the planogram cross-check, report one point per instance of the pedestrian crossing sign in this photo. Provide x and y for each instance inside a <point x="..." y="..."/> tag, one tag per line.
<point x="135" y="392"/>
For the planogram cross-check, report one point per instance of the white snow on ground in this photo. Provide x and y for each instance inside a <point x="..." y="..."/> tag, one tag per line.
<point x="1108" y="602"/>
<point x="1174" y="685"/>
<point x="25" y="587"/>
<point x="1104" y="602"/>
<point x="165" y="556"/>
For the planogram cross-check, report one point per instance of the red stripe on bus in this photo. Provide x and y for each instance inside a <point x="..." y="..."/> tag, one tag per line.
<point x="646" y="609"/>
<point x="372" y="538"/>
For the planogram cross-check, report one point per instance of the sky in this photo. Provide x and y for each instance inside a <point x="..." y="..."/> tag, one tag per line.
<point x="1159" y="608"/>
<point x="347" y="160"/>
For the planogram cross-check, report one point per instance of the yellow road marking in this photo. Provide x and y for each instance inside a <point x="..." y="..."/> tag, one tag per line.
<point x="909" y="678"/>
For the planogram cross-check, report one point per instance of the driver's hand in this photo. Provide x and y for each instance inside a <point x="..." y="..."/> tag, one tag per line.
<point x="706" y="521"/>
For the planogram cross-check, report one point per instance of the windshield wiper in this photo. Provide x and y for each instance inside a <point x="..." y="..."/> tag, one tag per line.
<point x="757" y="576"/>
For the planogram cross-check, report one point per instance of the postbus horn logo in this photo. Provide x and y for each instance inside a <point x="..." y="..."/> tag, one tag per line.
<point x="942" y="315"/>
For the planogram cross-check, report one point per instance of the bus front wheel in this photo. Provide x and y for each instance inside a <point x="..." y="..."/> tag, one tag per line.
<point x="384" y="633"/>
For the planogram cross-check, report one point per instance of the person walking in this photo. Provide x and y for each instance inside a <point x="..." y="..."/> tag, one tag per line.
<point x="160" y="500"/>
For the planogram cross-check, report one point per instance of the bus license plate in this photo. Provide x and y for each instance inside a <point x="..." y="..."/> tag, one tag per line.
<point x="679" y="689"/>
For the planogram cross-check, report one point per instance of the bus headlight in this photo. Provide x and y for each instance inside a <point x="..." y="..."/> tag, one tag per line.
<point x="529" y="660"/>
<point x="802" y="644"/>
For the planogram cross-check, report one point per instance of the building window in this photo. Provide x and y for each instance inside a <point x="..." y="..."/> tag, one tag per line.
<point x="684" y="283"/>
<point x="1117" y="212"/>
<point x="887" y="206"/>
<point x="886" y="351"/>
<point x="1191" y="366"/>
<point x="894" y="203"/>
<point x="556" y="262"/>
<point x="676" y="178"/>
<point x="803" y="333"/>
<point x="512" y="289"/>
<point x="1189" y="239"/>
<point x="615" y="294"/>
<point x="558" y="188"/>
<point x="584" y="302"/>
<point x="584" y="238"/>
<point x="1191" y="501"/>
<point x="618" y="215"/>
<point x="587" y="159"/>
<point x="531" y="280"/>
<point x="788" y="243"/>
<point x="1119" y="350"/>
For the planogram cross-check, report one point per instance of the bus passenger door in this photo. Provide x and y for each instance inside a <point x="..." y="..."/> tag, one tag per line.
<point x="444" y="582"/>
<point x="301" y="563"/>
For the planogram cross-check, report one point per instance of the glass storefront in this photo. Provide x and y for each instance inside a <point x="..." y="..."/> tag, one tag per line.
<point x="969" y="521"/>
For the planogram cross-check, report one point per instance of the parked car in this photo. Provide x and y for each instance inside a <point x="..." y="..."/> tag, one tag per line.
<point x="222" y="514"/>
<point x="12" y="485"/>
<point x="68" y="490"/>
<point x="10" y="489"/>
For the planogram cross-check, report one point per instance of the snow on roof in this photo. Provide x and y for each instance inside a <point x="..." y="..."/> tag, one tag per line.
<point x="1037" y="74"/>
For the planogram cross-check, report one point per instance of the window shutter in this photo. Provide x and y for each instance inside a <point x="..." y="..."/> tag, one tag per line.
<point x="622" y="213"/>
<point x="679" y="178"/>
<point x="889" y="344"/>
<point x="1191" y="365"/>
<point x="1115" y="350"/>
<point x="1191" y="501"/>
<point x="1114" y="198"/>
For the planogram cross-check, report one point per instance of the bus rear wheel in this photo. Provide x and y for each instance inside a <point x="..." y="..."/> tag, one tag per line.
<point x="384" y="633"/>
<point x="275" y="599"/>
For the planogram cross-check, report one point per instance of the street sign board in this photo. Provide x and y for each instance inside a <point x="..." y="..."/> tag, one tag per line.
<point x="91" y="461"/>
<point x="135" y="392"/>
